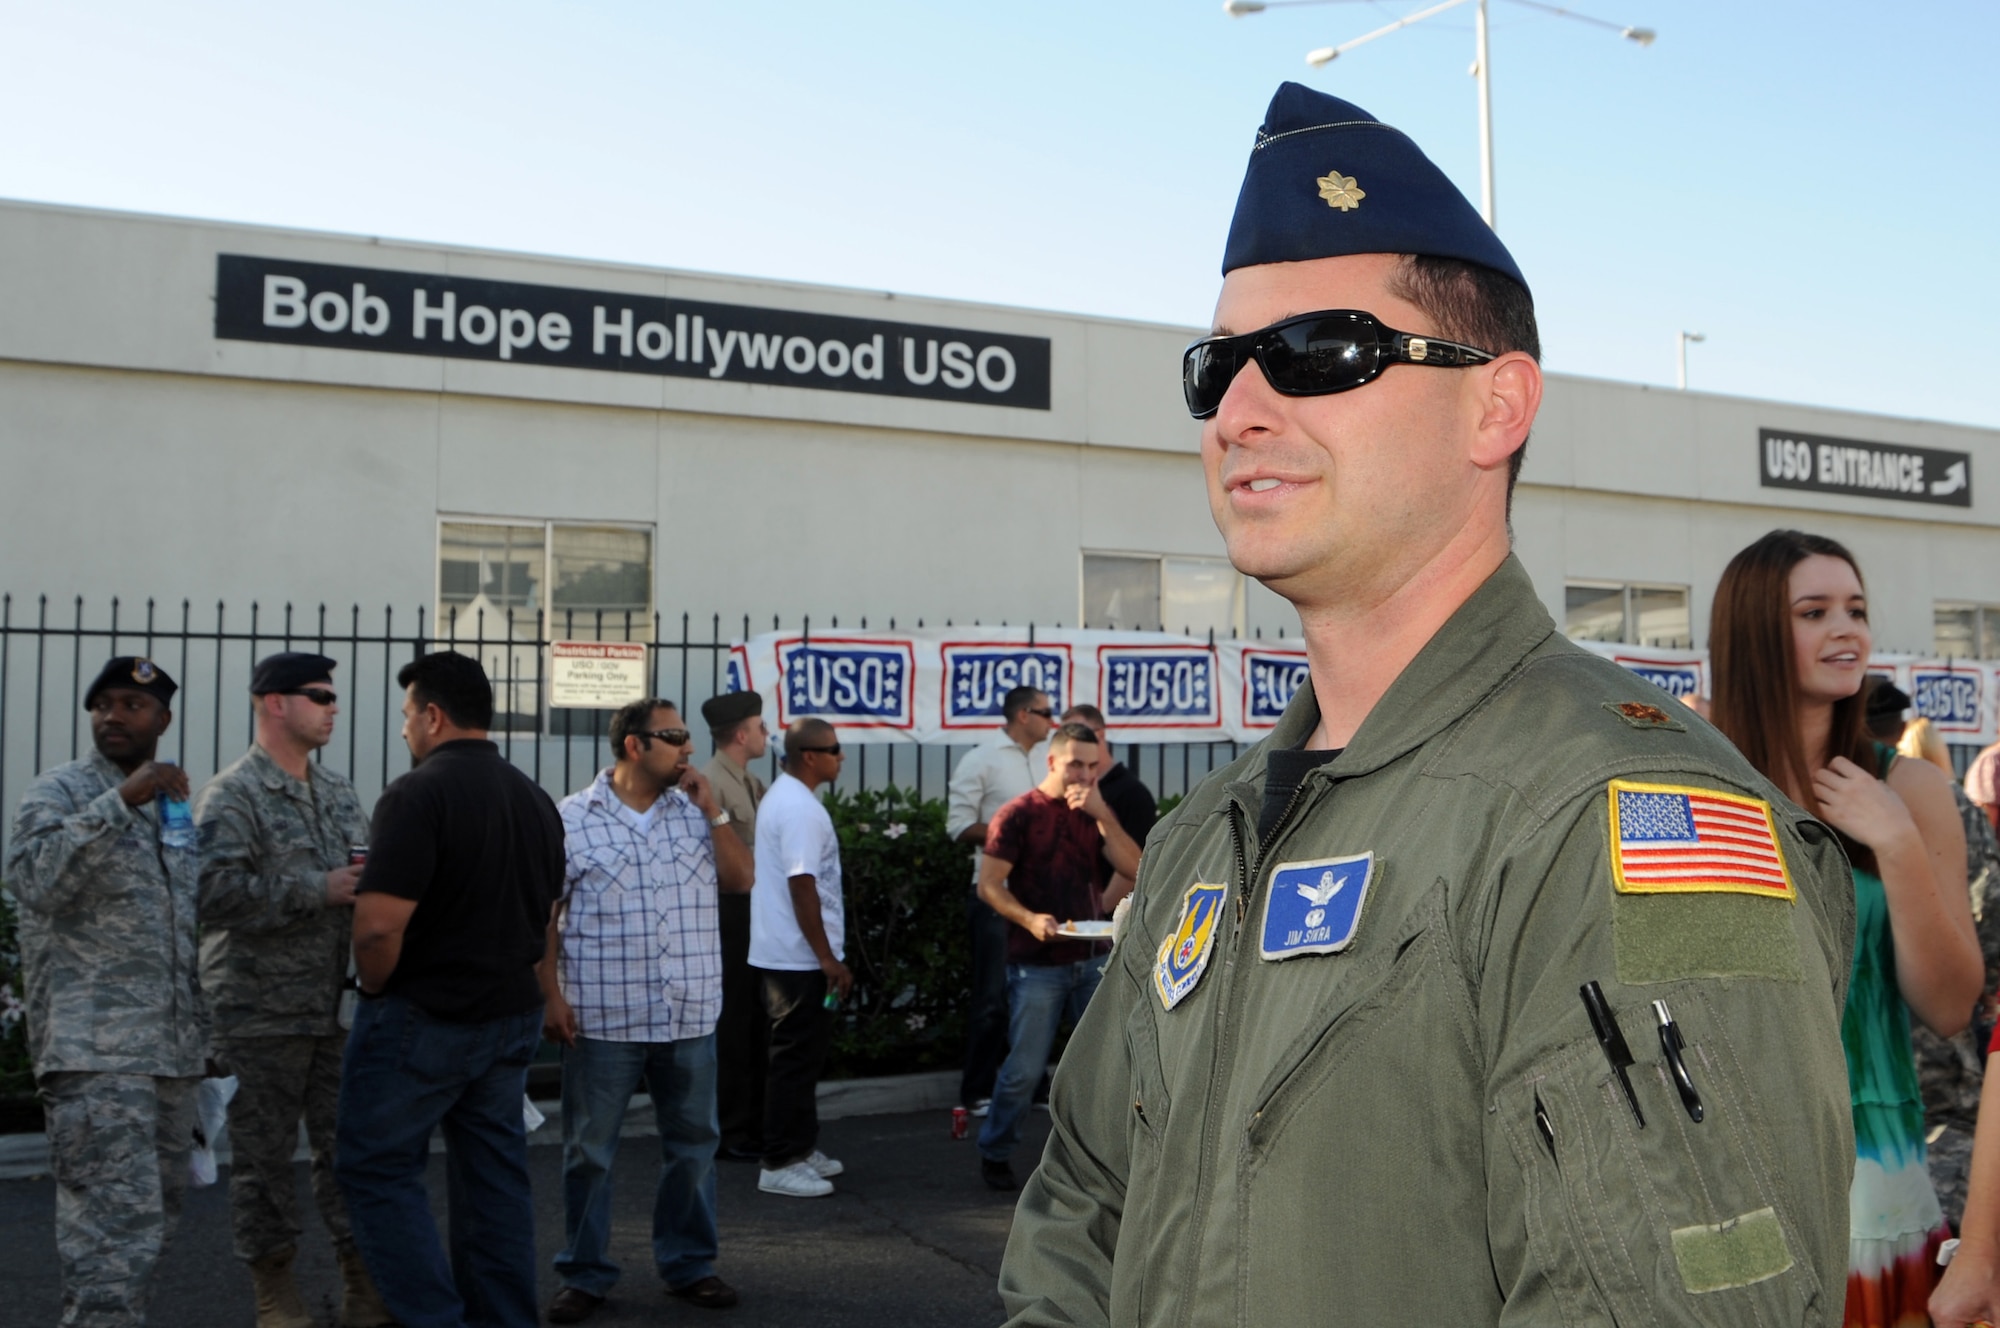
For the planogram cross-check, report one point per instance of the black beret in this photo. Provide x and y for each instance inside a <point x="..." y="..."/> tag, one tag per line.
<point x="289" y="670"/>
<point x="731" y="708"/>
<point x="1886" y="699"/>
<point x="1327" y="179"/>
<point x="136" y="672"/>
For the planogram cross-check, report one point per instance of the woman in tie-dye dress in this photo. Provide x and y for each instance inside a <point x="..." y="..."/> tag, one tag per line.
<point x="1789" y="642"/>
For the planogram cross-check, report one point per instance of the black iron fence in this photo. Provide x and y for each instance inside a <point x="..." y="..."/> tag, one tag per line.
<point x="51" y="650"/>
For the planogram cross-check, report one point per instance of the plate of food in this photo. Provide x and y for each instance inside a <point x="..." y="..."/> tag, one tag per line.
<point x="1085" y="931"/>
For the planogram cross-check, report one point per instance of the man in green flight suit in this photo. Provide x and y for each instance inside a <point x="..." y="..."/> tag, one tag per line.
<point x="1494" y="987"/>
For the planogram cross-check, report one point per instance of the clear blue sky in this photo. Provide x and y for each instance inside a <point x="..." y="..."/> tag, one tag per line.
<point x="1811" y="184"/>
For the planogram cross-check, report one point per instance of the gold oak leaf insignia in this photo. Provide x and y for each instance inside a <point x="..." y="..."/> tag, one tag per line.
<point x="1339" y="192"/>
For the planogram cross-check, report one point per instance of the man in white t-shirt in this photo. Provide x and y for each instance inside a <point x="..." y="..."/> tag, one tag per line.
<point x="797" y="930"/>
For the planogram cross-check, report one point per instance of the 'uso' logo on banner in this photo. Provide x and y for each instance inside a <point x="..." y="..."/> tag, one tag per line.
<point x="979" y="674"/>
<point x="1270" y="679"/>
<point x="1159" y="687"/>
<point x="736" y="673"/>
<point x="855" y="684"/>
<point x="1678" y="678"/>
<point x="1947" y="699"/>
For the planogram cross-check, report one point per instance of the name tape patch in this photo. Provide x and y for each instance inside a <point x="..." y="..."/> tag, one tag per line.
<point x="1668" y="839"/>
<point x="1183" y="956"/>
<point x="1315" y="907"/>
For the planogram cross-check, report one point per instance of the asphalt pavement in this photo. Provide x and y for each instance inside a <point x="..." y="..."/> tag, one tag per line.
<point x="911" y="1237"/>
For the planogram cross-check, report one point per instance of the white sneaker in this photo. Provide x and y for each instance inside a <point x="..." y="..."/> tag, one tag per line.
<point x="798" y="1180"/>
<point x="824" y="1167"/>
<point x="980" y="1108"/>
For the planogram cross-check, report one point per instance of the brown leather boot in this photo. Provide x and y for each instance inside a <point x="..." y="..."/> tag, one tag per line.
<point x="360" y="1305"/>
<point x="278" y="1303"/>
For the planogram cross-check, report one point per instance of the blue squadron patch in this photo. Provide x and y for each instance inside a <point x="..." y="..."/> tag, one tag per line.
<point x="1184" y="953"/>
<point x="1315" y="907"/>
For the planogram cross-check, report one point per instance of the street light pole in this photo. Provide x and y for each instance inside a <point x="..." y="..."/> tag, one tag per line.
<point x="1482" y="69"/>
<point x="1681" y="344"/>
<point x="1481" y="60"/>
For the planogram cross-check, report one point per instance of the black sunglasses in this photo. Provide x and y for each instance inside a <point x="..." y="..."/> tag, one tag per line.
<point x="316" y="695"/>
<point x="1045" y="714"/>
<point x="829" y="751"/>
<point x="672" y="737"/>
<point x="1313" y="355"/>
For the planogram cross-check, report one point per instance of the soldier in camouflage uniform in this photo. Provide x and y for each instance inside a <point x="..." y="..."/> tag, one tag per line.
<point x="277" y="897"/>
<point x="105" y="876"/>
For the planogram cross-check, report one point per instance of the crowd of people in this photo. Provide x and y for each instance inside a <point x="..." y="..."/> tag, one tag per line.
<point x="1494" y="986"/>
<point x="381" y="978"/>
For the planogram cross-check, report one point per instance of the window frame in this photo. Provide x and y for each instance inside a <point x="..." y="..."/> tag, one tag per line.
<point x="546" y="628"/>
<point x="1240" y="595"/>
<point x="1982" y="615"/>
<point x="1628" y="627"/>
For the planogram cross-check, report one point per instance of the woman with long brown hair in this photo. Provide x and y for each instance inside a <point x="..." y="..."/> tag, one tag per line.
<point x="1789" y="643"/>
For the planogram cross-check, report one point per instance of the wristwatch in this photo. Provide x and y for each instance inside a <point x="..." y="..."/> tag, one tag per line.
<point x="720" y="819"/>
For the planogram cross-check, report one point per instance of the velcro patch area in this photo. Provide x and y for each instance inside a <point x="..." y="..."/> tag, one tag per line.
<point x="1675" y="839"/>
<point x="1736" y="1253"/>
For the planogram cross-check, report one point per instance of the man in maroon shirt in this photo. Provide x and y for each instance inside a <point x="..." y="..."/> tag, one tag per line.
<point x="1049" y="855"/>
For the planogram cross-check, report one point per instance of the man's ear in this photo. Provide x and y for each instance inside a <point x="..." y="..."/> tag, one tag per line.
<point x="1510" y="394"/>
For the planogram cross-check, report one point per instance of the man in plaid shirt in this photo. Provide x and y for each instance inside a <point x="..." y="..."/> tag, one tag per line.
<point x="633" y="980"/>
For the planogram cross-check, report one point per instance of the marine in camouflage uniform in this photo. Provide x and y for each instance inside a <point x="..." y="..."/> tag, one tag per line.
<point x="274" y="961"/>
<point x="116" y="1022"/>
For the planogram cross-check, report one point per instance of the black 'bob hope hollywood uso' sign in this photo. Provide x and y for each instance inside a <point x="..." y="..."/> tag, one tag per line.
<point x="412" y="313"/>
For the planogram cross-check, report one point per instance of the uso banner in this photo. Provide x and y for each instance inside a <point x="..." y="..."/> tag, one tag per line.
<point x="948" y="684"/>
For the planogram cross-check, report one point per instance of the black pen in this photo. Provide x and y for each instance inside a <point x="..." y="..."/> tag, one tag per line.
<point x="1670" y="1047"/>
<point x="1612" y="1039"/>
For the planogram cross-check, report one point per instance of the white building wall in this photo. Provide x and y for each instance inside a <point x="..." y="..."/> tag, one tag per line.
<point x="143" y="456"/>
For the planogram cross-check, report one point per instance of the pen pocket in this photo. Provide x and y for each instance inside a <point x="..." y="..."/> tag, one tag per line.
<point x="1674" y="1222"/>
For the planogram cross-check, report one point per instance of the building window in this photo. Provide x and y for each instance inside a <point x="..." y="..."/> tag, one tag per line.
<point x="504" y="586"/>
<point x="1639" y="615"/>
<point x="1966" y="631"/>
<point x="1170" y="592"/>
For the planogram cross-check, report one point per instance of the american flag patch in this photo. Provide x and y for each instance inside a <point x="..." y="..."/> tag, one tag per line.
<point x="1666" y="839"/>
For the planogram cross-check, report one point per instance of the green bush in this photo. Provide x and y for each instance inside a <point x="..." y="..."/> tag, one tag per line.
<point x="17" y="1076"/>
<point x="906" y="886"/>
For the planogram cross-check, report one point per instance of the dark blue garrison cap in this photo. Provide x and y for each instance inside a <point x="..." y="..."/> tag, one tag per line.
<point x="1326" y="179"/>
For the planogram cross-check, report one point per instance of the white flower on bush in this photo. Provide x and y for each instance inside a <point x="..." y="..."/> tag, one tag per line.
<point x="11" y="1011"/>
<point x="915" y="1022"/>
<point x="895" y="830"/>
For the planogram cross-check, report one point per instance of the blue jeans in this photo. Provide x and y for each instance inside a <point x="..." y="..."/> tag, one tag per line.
<point x="404" y="1075"/>
<point x="597" y="1084"/>
<point x="1038" y="995"/>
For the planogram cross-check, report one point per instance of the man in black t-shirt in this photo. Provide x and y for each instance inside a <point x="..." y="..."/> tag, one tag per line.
<point x="465" y="861"/>
<point x="1049" y="856"/>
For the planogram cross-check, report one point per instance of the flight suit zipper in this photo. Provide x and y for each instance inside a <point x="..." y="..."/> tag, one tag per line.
<point x="1225" y="1044"/>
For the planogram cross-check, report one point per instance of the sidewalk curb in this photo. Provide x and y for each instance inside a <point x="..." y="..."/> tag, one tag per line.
<point x="23" y="1156"/>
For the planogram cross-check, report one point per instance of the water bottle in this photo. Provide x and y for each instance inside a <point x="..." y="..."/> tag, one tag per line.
<point x="176" y="822"/>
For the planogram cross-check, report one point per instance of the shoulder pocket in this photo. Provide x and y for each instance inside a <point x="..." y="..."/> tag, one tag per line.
<point x="1678" y="1222"/>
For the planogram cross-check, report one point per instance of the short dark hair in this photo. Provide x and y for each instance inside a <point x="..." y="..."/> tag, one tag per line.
<point x="1472" y="303"/>
<point x="1017" y="700"/>
<point x="634" y="717"/>
<point x="1072" y="732"/>
<point x="803" y="733"/>
<point x="1086" y="712"/>
<point x="455" y="684"/>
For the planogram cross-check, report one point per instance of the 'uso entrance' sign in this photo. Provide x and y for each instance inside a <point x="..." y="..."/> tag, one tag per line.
<point x="1867" y="470"/>
<point x="979" y="674"/>
<point x="415" y="313"/>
